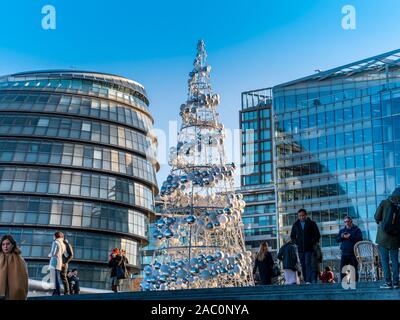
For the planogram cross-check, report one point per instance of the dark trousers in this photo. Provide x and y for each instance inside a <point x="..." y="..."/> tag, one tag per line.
<point x="265" y="279"/>
<point x="64" y="279"/>
<point x="348" y="260"/>
<point x="306" y="267"/>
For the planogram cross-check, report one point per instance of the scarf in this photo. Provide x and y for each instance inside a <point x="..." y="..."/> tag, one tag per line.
<point x="13" y="277"/>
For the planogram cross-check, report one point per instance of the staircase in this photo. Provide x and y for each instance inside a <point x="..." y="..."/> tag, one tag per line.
<point x="364" y="291"/>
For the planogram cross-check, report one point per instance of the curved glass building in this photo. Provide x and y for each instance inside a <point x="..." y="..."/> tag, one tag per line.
<point x="76" y="155"/>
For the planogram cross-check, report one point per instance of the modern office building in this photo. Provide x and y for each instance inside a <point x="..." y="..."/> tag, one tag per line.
<point x="257" y="177"/>
<point x="338" y="146"/>
<point x="76" y="155"/>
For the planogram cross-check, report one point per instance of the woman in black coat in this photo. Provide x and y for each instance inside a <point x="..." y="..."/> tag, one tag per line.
<point x="115" y="262"/>
<point x="264" y="263"/>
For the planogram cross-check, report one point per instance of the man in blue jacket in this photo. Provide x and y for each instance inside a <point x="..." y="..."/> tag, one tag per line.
<point x="305" y="234"/>
<point x="348" y="237"/>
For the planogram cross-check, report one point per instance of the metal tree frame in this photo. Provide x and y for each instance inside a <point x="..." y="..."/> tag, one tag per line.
<point x="200" y="232"/>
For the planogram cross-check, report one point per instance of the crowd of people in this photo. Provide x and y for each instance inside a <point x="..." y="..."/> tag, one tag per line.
<point x="14" y="272"/>
<point x="301" y="256"/>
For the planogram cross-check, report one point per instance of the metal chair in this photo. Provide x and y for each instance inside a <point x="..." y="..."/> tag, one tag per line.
<point x="367" y="256"/>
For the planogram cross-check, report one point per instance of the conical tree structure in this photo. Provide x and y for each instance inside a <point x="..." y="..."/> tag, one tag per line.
<point x="200" y="233"/>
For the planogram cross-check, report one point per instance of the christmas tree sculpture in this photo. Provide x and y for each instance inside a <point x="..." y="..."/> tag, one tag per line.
<point x="199" y="236"/>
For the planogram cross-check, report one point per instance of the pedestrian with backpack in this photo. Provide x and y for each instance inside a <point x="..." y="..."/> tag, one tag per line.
<point x="348" y="237"/>
<point x="67" y="257"/>
<point x="387" y="216"/>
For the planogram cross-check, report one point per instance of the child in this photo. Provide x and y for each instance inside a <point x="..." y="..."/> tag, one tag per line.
<point x="327" y="276"/>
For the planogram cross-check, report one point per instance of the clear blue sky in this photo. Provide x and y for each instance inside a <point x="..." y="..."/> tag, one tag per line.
<point x="250" y="44"/>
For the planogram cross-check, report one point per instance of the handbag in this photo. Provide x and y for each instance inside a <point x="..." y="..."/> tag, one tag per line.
<point x="276" y="271"/>
<point x="120" y="274"/>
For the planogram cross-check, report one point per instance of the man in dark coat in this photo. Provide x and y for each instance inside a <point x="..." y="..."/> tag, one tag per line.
<point x="348" y="237"/>
<point x="305" y="234"/>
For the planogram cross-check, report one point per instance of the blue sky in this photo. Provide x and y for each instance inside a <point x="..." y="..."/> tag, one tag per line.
<point x="250" y="44"/>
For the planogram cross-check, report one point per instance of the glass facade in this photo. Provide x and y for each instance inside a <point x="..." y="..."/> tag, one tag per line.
<point x="76" y="155"/>
<point x="338" y="147"/>
<point x="257" y="178"/>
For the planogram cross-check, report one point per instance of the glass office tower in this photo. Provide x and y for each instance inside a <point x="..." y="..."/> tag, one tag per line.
<point x="338" y="146"/>
<point x="257" y="178"/>
<point x="76" y="155"/>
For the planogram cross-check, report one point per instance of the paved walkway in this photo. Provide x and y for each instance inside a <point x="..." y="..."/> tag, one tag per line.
<point x="364" y="291"/>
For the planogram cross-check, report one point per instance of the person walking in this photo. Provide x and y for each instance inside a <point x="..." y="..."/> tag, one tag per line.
<point x="115" y="262"/>
<point x="348" y="237"/>
<point x="316" y="261"/>
<point x="291" y="263"/>
<point x="264" y="263"/>
<point x="13" y="271"/>
<point x="388" y="243"/>
<point x="305" y="234"/>
<point x="56" y="256"/>
<point x="66" y="259"/>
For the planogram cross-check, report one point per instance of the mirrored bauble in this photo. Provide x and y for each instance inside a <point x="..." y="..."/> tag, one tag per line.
<point x="157" y="265"/>
<point x="237" y="269"/>
<point x="164" y="286"/>
<point x="222" y="219"/>
<point x="160" y="223"/>
<point x="162" y="278"/>
<point x="174" y="278"/>
<point x="227" y="210"/>
<point x="210" y="258"/>
<point x="239" y="256"/>
<point x="165" y="270"/>
<point x="157" y="234"/>
<point x="223" y="270"/>
<point x="194" y="270"/>
<point x="202" y="264"/>
<point x="194" y="262"/>
<point x="217" y="224"/>
<point x="173" y="265"/>
<point x="168" y="234"/>
<point x="209" y="226"/>
<point x="181" y="264"/>
<point x="145" y="286"/>
<point x="205" y="275"/>
<point x="148" y="270"/>
<point x="190" y="219"/>
<point x="184" y="179"/>
<point x="219" y="255"/>
<point x="170" y="178"/>
<point x="170" y="220"/>
<point x="181" y="274"/>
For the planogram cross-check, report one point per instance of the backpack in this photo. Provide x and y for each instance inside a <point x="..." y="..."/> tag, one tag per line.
<point x="391" y="223"/>
<point x="69" y="253"/>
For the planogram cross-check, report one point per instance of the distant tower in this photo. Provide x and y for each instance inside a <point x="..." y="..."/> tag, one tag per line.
<point x="200" y="232"/>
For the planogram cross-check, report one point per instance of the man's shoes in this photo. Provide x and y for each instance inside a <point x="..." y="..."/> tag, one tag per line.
<point x="386" y="286"/>
<point x="308" y="282"/>
<point x="395" y="286"/>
